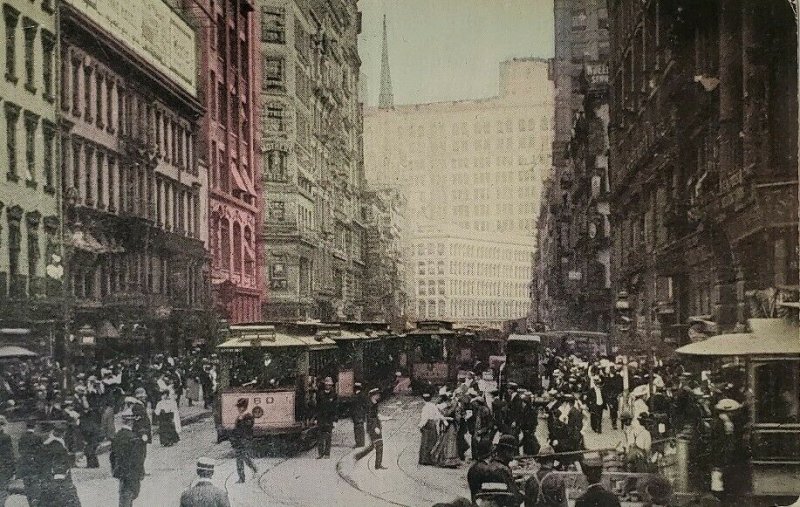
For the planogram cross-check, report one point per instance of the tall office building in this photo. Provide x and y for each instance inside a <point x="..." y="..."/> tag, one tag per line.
<point x="312" y="158"/>
<point x="471" y="170"/>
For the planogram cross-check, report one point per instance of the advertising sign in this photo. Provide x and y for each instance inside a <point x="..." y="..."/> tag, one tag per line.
<point x="344" y="388"/>
<point x="152" y="30"/>
<point x="270" y="409"/>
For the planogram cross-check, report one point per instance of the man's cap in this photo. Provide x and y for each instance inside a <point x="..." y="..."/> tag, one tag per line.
<point x="508" y="442"/>
<point x="205" y="464"/>
<point x="328" y="381"/>
<point x="426" y="396"/>
<point x="483" y="448"/>
<point x="546" y="451"/>
<point x="374" y="390"/>
<point x="357" y="385"/>
<point x="727" y="405"/>
<point x="131" y="399"/>
<point x="512" y="385"/>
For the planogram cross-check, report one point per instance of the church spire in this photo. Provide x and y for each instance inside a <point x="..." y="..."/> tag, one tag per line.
<point x="385" y="99"/>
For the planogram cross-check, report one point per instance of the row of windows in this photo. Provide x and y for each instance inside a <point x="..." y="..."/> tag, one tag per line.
<point x="479" y="127"/>
<point x="222" y="166"/>
<point x="95" y="177"/>
<point x="32" y="38"/>
<point x="472" y="269"/>
<point x="94" y="94"/>
<point x="37" y="132"/>
<point x="459" y="308"/>
<point x="136" y="272"/>
<point x="233" y="247"/>
<point x="229" y="107"/>
<point x="23" y="245"/>
<point x="471" y="288"/>
<point x="462" y="250"/>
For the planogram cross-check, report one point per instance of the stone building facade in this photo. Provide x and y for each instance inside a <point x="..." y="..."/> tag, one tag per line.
<point x="30" y="225"/>
<point x="385" y="291"/>
<point x="134" y="187"/>
<point x="311" y="144"/>
<point x="571" y="284"/>
<point x="467" y="277"/>
<point x="703" y="160"/>
<point x="228" y="141"/>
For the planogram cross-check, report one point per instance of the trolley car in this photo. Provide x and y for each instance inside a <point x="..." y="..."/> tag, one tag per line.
<point x="523" y="356"/>
<point x="363" y="357"/>
<point x="437" y="353"/>
<point x="276" y="368"/>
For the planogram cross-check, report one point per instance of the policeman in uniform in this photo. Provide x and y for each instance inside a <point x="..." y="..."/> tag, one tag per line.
<point x="58" y="489"/>
<point x="142" y="426"/>
<point x="242" y="438"/>
<point x="327" y="414"/>
<point x="374" y="430"/>
<point x="203" y="493"/>
<point x="127" y="460"/>
<point x="358" y="414"/>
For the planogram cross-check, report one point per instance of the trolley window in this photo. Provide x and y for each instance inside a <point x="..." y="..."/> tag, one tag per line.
<point x="776" y="390"/>
<point x="263" y="369"/>
<point x="430" y="349"/>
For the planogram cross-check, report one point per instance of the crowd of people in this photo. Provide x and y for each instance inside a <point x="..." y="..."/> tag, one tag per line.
<point x="68" y="414"/>
<point x="647" y="400"/>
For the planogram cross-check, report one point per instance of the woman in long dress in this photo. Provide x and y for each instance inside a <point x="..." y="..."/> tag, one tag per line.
<point x="445" y="452"/>
<point x="169" y="421"/>
<point x="429" y="429"/>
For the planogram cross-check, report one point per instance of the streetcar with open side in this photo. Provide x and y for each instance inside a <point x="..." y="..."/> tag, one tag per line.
<point x="363" y="357"/>
<point x="276" y="368"/>
<point x="437" y="353"/>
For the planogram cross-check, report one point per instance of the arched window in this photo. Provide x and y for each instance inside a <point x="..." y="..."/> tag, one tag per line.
<point x="237" y="248"/>
<point x="225" y="243"/>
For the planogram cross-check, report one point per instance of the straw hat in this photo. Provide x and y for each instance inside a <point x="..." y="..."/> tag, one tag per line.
<point x="727" y="405"/>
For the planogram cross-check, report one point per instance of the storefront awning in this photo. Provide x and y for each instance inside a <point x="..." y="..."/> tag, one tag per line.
<point x="769" y="337"/>
<point x="242" y="183"/>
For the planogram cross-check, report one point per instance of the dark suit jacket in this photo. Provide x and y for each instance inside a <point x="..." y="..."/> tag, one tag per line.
<point x="30" y="454"/>
<point x="126" y="456"/>
<point x="6" y="457"/>
<point x="56" y="459"/>
<point x="327" y="408"/>
<point x="142" y="424"/>
<point x="597" y="496"/>
<point x="204" y="494"/>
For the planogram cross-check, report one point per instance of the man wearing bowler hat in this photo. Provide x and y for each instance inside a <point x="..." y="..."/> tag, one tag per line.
<point x="127" y="460"/>
<point x="203" y="493"/>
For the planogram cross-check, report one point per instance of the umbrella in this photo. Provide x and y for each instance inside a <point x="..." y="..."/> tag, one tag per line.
<point x="10" y="351"/>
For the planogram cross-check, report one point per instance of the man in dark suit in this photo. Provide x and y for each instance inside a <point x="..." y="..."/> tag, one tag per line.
<point x="58" y="489"/>
<point x="7" y="467"/>
<point x="242" y="438"/>
<point x="358" y="413"/>
<point x="596" y="403"/>
<point x="375" y="431"/>
<point x="596" y="495"/>
<point x="203" y="493"/>
<point x="29" y="468"/>
<point x="142" y="426"/>
<point x="611" y="389"/>
<point x="327" y="408"/>
<point x="127" y="460"/>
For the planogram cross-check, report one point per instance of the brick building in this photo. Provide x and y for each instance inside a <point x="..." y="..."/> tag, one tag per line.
<point x="134" y="187"/>
<point x="311" y="142"/>
<point x="30" y="224"/>
<point x="703" y="159"/>
<point x="227" y="36"/>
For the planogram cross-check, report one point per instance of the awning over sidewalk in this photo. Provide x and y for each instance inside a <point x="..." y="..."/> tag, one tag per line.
<point x="775" y="337"/>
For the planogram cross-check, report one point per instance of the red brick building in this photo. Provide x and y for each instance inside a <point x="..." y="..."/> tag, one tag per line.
<point x="226" y="31"/>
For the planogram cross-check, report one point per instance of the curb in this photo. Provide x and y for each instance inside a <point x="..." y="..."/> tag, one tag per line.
<point x="105" y="446"/>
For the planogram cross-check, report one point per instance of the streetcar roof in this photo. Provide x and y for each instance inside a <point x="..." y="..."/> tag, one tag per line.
<point x="528" y="338"/>
<point x="266" y="336"/>
<point x="774" y="338"/>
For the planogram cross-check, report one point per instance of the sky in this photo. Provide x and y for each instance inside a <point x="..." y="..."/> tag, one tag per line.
<point x="450" y="49"/>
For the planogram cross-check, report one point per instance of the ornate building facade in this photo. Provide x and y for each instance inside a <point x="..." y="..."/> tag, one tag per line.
<point x="135" y="189"/>
<point x="703" y="160"/>
<point x="311" y="144"/>
<point x="30" y="224"/>
<point x="228" y="141"/>
<point x="571" y="281"/>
